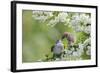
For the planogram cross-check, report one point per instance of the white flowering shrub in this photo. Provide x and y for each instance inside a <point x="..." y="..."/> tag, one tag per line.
<point x="46" y="27"/>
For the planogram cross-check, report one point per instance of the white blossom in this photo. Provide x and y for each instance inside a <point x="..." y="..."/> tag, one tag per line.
<point x="74" y="23"/>
<point x="75" y="20"/>
<point x="69" y="52"/>
<point x="72" y="49"/>
<point x="52" y="22"/>
<point x="87" y="29"/>
<point x="81" y="46"/>
<point x="78" y="19"/>
<point x="62" y="17"/>
<point x="57" y="59"/>
<point x="80" y="49"/>
<point x="80" y="52"/>
<point x="75" y="53"/>
<point x="37" y="12"/>
<point x="41" y="16"/>
<point x="89" y="47"/>
<point x="85" y="19"/>
<point x="66" y="51"/>
<point x="67" y="21"/>
<point x="88" y="52"/>
<point x="48" y="13"/>
<point x="87" y="41"/>
<point x="77" y="28"/>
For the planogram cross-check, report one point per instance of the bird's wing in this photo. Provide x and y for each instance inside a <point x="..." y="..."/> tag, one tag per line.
<point x="52" y="48"/>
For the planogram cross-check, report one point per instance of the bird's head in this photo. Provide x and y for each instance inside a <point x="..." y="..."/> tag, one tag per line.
<point x="70" y="37"/>
<point x="65" y="35"/>
<point x="58" y="41"/>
